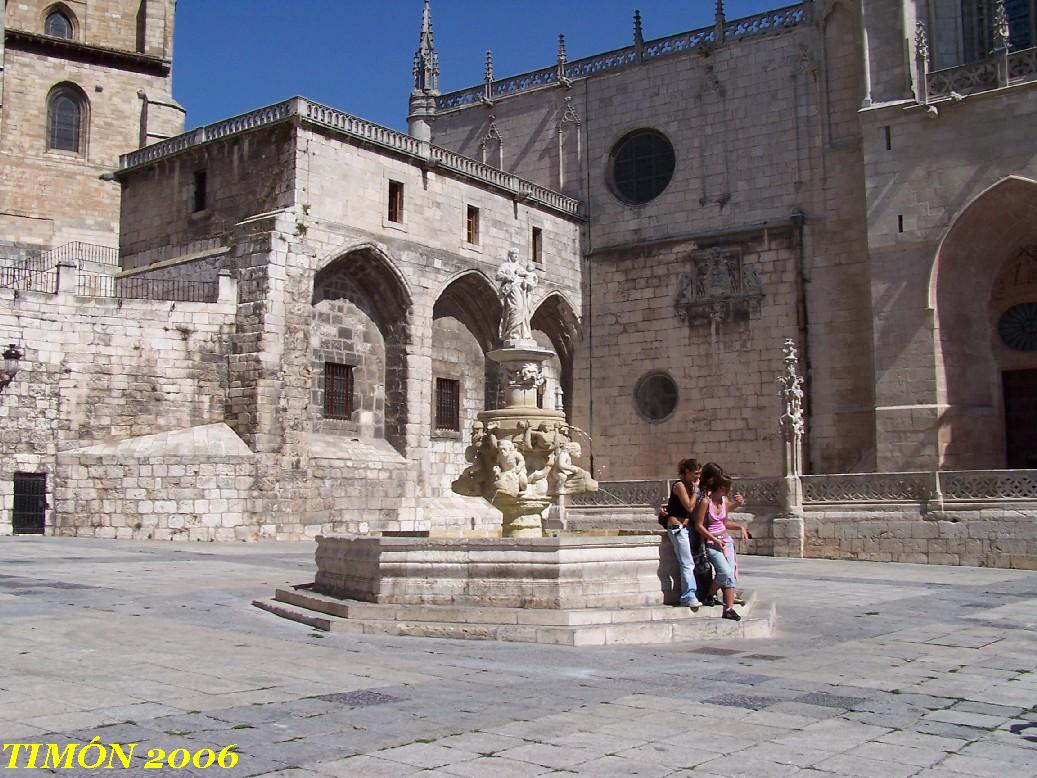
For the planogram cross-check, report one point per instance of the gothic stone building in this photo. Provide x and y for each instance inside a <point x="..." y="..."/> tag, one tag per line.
<point x="853" y="175"/>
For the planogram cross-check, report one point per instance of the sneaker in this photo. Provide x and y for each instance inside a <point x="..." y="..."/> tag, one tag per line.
<point x="731" y="614"/>
<point x="694" y="605"/>
<point x="711" y="602"/>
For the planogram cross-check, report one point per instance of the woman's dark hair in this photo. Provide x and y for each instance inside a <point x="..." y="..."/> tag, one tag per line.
<point x="711" y="475"/>
<point x="724" y="481"/>
<point x="685" y="465"/>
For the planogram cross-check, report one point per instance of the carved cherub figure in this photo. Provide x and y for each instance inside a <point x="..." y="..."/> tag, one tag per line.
<point x="510" y="469"/>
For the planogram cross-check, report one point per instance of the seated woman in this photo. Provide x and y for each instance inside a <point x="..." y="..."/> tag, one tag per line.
<point x="712" y="524"/>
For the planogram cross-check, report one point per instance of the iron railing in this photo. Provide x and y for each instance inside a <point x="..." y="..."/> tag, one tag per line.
<point x="175" y="290"/>
<point x="29" y="280"/>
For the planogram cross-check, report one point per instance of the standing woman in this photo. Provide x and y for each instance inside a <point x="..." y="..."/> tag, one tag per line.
<point x="684" y="499"/>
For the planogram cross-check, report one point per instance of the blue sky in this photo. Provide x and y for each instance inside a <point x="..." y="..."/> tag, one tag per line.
<point x="235" y="55"/>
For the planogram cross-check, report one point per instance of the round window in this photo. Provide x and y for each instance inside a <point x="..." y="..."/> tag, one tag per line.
<point x="656" y="396"/>
<point x="641" y="166"/>
<point x="1018" y="327"/>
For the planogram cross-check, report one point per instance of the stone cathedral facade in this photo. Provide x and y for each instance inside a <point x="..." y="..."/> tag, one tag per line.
<point x="292" y="338"/>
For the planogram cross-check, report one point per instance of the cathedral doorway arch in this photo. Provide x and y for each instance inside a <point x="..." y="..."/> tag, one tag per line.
<point x="360" y="337"/>
<point x="983" y="292"/>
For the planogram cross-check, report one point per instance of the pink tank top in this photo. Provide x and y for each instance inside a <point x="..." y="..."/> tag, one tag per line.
<point x="717" y="514"/>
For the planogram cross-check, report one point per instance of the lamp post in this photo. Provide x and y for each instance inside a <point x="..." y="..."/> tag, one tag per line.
<point x="11" y="358"/>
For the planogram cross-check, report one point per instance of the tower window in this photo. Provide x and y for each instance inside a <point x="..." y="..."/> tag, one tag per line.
<point x="338" y="391"/>
<point x="65" y="112"/>
<point x="448" y="404"/>
<point x="396" y="202"/>
<point x="537" y="247"/>
<point x="58" y="25"/>
<point x="472" y="225"/>
<point x="199" y="200"/>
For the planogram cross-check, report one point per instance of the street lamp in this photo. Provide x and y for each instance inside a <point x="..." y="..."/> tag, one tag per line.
<point x="11" y="358"/>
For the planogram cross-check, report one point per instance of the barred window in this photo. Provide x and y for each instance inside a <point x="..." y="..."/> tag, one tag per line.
<point x="641" y="166"/>
<point x="338" y="391"/>
<point x="448" y="404"/>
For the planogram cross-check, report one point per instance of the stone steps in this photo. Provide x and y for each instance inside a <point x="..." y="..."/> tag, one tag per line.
<point x="571" y="627"/>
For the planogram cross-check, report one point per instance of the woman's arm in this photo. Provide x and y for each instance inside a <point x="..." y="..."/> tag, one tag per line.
<point x="732" y="525"/>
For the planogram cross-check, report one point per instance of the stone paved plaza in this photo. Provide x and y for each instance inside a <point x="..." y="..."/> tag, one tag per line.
<point x="875" y="670"/>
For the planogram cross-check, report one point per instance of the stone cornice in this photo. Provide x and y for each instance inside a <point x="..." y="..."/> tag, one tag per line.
<point x="85" y="52"/>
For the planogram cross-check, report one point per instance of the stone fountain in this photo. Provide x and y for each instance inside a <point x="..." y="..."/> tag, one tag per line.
<point x="521" y="455"/>
<point x="521" y="586"/>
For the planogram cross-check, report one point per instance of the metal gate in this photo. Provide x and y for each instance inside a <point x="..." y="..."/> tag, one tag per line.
<point x="30" y="503"/>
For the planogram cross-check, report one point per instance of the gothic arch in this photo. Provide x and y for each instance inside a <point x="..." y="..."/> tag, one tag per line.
<point x="472" y="298"/>
<point x="465" y="327"/>
<point x="987" y="235"/>
<point x="362" y="307"/>
<point x="555" y="316"/>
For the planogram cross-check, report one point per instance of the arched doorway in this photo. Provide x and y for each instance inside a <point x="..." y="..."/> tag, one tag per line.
<point x="983" y="281"/>
<point x="359" y="342"/>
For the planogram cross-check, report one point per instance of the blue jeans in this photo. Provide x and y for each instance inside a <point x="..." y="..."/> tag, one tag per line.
<point x="723" y="563"/>
<point x="682" y="550"/>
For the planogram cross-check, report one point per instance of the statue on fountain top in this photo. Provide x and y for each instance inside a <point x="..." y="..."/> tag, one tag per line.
<point x="516" y="285"/>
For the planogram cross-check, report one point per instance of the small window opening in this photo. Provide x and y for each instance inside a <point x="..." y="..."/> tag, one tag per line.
<point x="889" y="137"/>
<point x="900" y="222"/>
<point x="538" y="245"/>
<point x="58" y="25"/>
<point x="396" y="202"/>
<point x="448" y="404"/>
<point x="338" y="391"/>
<point x="200" y="184"/>
<point x="472" y="225"/>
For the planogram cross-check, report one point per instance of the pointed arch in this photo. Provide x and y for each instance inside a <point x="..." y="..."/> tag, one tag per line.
<point x="971" y="359"/>
<point x="555" y="316"/>
<point x="471" y="297"/>
<point x="361" y="337"/>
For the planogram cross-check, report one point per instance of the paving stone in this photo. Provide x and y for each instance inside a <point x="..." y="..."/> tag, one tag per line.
<point x="856" y="765"/>
<point x="496" y="766"/>
<point x="752" y="702"/>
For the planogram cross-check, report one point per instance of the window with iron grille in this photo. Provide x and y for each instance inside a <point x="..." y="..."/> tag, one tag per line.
<point x="472" y="225"/>
<point x="642" y="165"/>
<point x="396" y="202"/>
<point x="538" y="245"/>
<point x="448" y="404"/>
<point x="338" y="391"/>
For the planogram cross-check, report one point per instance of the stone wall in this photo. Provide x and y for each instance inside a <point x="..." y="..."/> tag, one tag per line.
<point x="98" y="370"/>
<point x="764" y="130"/>
<point x="947" y="184"/>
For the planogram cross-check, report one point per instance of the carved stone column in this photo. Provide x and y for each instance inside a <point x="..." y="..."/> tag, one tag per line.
<point x="788" y="525"/>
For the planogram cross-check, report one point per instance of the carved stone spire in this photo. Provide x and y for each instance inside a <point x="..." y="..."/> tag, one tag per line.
<point x="719" y="21"/>
<point x="562" y="56"/>
<point x="639" y="33"/>
<point x="422" y="104"/>
<point x="426" y="61"/>
<point x="1002" y="31"/>
<point x="921" y="42"/>
<point x="488" y="74"/>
